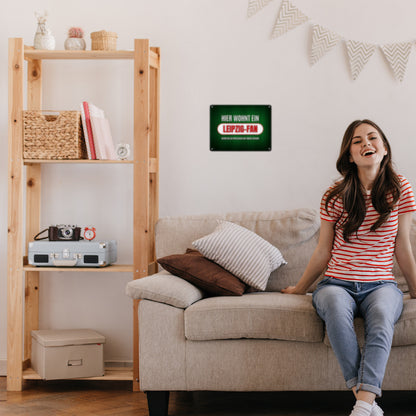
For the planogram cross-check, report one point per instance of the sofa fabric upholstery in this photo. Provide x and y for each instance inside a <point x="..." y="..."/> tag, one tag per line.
<point x="256" y="316"/>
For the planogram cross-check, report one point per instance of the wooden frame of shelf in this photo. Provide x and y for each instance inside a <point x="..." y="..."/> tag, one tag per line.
<point x="114" y="268"/>
<point x="111" y="373"/>
<point x="23" y="280"/>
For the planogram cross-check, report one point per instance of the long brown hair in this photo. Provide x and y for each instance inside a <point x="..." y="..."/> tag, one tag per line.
<point x="384" y="194"/>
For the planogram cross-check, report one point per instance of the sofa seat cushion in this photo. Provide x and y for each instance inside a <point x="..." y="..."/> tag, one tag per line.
<point x="404" y="331"/>
<point x="254" y="315"/>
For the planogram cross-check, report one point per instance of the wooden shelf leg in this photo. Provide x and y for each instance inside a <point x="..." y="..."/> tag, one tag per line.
<point x="15" y="219"/>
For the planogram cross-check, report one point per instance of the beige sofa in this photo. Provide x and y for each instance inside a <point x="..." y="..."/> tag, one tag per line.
<point x="265" y="341"/>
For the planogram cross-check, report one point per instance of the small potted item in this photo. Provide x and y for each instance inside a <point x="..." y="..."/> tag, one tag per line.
<point x="43" y="37"/>
<point x="75" y="40"/>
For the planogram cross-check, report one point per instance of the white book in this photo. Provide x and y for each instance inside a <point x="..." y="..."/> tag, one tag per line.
<point x="104" y="146"/>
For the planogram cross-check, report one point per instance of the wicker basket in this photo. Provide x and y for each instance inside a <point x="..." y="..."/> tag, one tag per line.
<point x="47" y="136"/>
<point x="103" y="41"/>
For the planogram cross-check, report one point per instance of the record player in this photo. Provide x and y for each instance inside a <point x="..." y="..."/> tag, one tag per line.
<point x="72" y="253"/>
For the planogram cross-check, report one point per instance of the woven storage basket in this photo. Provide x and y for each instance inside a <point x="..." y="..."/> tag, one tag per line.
<point x="53" y="136"/>
<point x="103" y="41"/>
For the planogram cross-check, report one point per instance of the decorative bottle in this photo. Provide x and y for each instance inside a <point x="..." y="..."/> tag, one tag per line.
<point x="43" y="37"/>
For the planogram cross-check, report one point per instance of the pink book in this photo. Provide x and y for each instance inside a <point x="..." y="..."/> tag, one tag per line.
<point x="84" y="129"/>
<point x="89" y="130"/>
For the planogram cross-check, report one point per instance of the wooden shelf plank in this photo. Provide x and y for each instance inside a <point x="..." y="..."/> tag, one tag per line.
<point x="112" y="269"/>
<point x="111" y="373"/>
<point x="37" y="54"/>
<point x="85" y="161"/>
<point x="64" y="54"/>
<point x="153" y="162"/>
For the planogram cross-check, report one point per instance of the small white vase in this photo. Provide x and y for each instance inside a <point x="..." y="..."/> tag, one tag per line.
<point x="44" y="41"/>
<point x="75" y="44"/>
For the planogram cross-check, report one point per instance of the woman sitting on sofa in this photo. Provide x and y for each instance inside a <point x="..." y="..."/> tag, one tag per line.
<point x="365" y="220"/>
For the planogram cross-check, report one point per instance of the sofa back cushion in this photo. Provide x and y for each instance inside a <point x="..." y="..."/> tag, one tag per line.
<point x="294" y="232"/>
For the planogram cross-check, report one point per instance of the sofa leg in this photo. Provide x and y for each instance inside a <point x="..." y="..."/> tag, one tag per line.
<point x="158" y="403"/>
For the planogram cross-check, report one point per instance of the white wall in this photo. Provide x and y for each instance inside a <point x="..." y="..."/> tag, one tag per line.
<point x="211" y="54"/>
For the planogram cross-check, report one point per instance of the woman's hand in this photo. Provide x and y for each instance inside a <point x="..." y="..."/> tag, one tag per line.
<point x="404" y="252"/>
<point x="293" y="290"/>
<point x="318" y="261"/>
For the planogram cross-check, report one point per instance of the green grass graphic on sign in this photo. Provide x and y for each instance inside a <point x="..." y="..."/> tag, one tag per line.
<point x="241" y="127"/>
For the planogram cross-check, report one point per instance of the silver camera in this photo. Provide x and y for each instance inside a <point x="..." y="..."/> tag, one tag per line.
<point x="64" y="232"/>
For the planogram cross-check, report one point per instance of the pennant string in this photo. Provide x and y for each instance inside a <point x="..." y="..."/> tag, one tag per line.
<point x="323" y="40"/>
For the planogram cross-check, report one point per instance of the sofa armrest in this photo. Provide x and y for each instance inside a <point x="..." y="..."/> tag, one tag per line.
<point x="166" y="288"/>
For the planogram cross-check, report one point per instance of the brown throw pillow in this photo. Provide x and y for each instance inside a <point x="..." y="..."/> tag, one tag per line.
<point x="203" y="273"/>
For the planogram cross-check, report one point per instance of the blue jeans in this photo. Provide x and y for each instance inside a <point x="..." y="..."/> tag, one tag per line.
<point x="380" y="303"/>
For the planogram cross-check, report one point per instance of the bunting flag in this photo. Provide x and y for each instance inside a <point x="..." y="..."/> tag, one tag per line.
<point x="359" y="53"/>
<point x="397" y="55"/>
<point x="323" y="40"/>
<point x="289" y="17"/>
<point x="255" y="5"/>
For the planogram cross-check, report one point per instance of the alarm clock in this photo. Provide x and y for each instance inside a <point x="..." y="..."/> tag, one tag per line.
<point x="123" y="151"/>
<point x="89" y="233"/>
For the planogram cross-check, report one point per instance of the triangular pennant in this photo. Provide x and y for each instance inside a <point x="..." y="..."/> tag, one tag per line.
<point x="289" y="17"/>
<point x="255" y="5"/>
<point x="359" y="54"/>
<point x="323" y="40"/>
<point x="397" y="55"/>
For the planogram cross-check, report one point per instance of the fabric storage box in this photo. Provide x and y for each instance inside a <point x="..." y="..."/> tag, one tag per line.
<point x="53" y="136"/>
<point x="60" y="354"/>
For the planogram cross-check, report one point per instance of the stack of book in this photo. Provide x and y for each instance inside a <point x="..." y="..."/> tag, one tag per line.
<point x="97" y="132"/>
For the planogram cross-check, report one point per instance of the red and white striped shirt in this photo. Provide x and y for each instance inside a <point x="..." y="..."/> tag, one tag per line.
<point x="369" y="254"/>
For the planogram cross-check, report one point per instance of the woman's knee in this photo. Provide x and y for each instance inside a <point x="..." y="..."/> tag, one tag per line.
<point x="334" y="301"/>
<point x="384" y="306"/>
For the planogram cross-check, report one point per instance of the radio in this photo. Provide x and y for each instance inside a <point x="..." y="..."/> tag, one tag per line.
<point x="72" y="253"/>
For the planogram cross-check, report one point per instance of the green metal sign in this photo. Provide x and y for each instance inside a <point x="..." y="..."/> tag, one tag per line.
<point x="241" y="127"/>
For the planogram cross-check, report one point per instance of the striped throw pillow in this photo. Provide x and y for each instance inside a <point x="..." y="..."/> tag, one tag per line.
<point x="242" y="252"/>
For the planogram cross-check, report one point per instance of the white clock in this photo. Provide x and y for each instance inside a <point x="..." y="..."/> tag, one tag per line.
<point x="123" y="151"/>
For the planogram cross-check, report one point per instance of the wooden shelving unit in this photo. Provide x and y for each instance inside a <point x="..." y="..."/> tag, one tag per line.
<point x="23" y="280"/>
<point x="111" y="373"/>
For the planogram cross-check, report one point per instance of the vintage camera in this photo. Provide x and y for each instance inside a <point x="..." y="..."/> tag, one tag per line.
<point x="64" y="232"/>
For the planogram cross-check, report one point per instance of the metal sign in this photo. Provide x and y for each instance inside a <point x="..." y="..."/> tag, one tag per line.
<point x="241" y="127"/>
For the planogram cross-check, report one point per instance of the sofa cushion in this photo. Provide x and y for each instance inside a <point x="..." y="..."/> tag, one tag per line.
<point x="163" y="287"/>
<point x="242" y="252"/>
<point x="404" y="331"/>
<point x="295" y="232"/>
<point x="203" y="273"/>
<point x="255" y="315"/>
